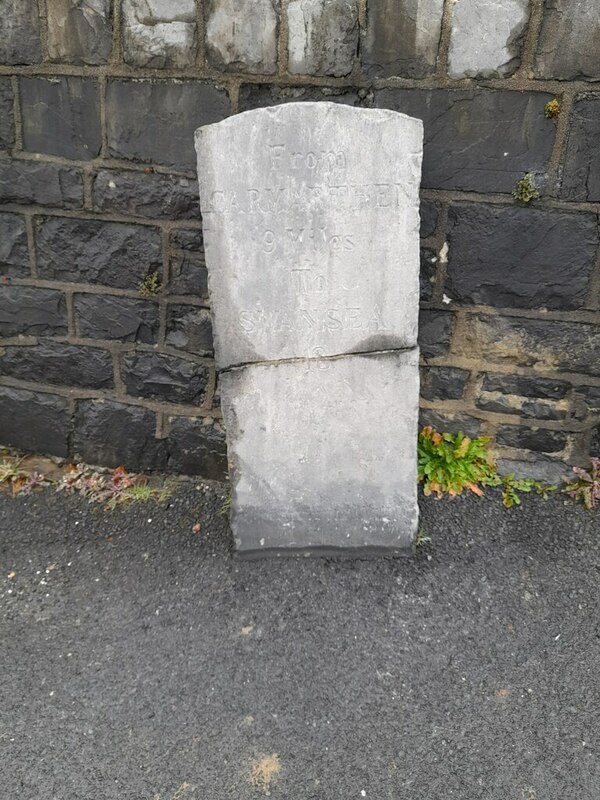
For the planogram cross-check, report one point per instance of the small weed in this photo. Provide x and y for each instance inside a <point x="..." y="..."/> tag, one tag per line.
<point x="586" y="486"/>
<point x="552" y="109"/>
<point x="226" y="505"/>
<point x="151" y="285"/>
<point x="19" y="480"/>
<point x="525" y="190"/>
<point x="421" y="538"/>
<point x="110" y="490"/>
<point x="511" y="487"/>
<point x="449" y="463"/>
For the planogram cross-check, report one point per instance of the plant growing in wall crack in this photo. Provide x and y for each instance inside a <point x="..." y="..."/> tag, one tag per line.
<point x="586" y="485"/>
<point x="525" y="190"/>
<point x="450" y="463"/>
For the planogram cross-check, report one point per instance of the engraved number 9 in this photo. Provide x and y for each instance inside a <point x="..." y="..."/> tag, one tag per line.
<point x="268" y="241"/>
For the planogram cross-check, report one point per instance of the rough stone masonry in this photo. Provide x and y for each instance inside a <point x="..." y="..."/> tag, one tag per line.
<point x="313" y="265"/>
<point x="106" y="347"/>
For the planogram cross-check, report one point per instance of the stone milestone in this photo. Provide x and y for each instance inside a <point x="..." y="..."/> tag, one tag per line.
<point x="312" y="250"/>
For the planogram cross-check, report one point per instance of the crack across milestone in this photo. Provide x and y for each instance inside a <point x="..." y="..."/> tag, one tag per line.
<point x="304" y="359"/>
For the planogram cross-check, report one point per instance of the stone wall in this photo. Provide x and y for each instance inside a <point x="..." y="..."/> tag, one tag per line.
<point x="106" y="348"/>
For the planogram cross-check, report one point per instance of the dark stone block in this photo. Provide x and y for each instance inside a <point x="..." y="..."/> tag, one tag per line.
<point x="450" y="423"/>
<point x="34" y="421"/>
<point x="25" y="310"/>
<point x="92" y="251"/>
<point x="499" y="405"/>
<point x="191" y="240"/>
<point x="568" y="47"/>
<point x="595" y="442"/>
<point x="525" y="386"/>
<point x="401" y="38"/>
<point x="29" y="183"/>
<point x="189" y="328"/>
<point x="14" y="253"/>
<point x="114" y="434"/>
<point x="581" y="171"/>
<point x="427" y="273"/>
<point x="188" y="275"/>
<point x="538" y="409"/>
<point x="146" y="195"/>
<point x="591" y="396"/>
<point x="465" y="146"/>
<point x="163" y="377"/>
<point x="124" y="318"/>
<point x="509" y="256"/>
<point x="430" y="213"/>
<point x="20" y="32"/>
<point x="60" y="364"/>
<point x="435" y="330"/>
<point x="79" y="32"/>
<point x="262" y="96"/>
<point x="547" y="344"/>
<point x="61" y="116"/>
<point x="538" y="439"/>
<point x="154" y="121"/>
<point x="7" y="118"/>
<point x="197" y="449"/>
<point x="443" y="383"/>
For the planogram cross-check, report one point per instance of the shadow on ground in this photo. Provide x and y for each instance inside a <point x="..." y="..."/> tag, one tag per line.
<point x="140" y="660"/>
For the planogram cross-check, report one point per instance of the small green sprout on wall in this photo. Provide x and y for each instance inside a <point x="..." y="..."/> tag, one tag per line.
<point x="449" y="463"/>
<point x="151" y="285"/>
<point x="552" y="109"/>
<point x="525" y="190"/>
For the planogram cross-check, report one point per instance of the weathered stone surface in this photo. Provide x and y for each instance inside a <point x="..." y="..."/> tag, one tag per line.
<point x="540" y="468"/>
<point x="159" y="33"/>
<point x="41" y="184"/>
<point x="345" y="484"/>
<point x="93" y="251"/>
<point x="59" y="363"/>
<point x="450" y="423"/>
<point x="486" y="37"/>
<point x="435" y="330"/>
<point x="302" y="244"/>
<point x="163" y="377"/>
<point x="145" y="195"/>
<point x="25" y="310"/>
<point x="189" y="328"/>
<point x="254" y="95"/>
<point x="61" y="116"/>
<point x="591" y="395"/>
<point x="427" y="275"/>
<point x="154" y="121"/>
<point x="124" y="318"/>
<point x="114" y="434"/>
<point x="538" y="409"/>
<point x="79" y="31"/>
<point x="443" y="383"/>
<point x="538" y="439"/>
<point x="34" y="421"/>
<point x="188" y="275"/>
<point x="595" y="442"/>
<point x="189" y="240"/>
<point x="322" y="36"/>
<point x="525" y="386"/>
<point x="510" y="256"/>
<point x="581" y="172"/>
<point x="465" y="146"/>
<point x="568" y="45"/>
<point x="402" y="37"/>
<point x="196" y="448"/>
<point x="430" y="212"/>
<point x="241" y="35"/>
<point x="14" y="253"/>
<point x="506" y="404"/>
<point x="544" y="344"/>
<point x="20" y="32"/>
<point x="7" y="117"/>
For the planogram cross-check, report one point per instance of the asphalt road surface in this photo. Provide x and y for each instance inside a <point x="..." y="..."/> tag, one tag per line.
<point x="141" y="661"/>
